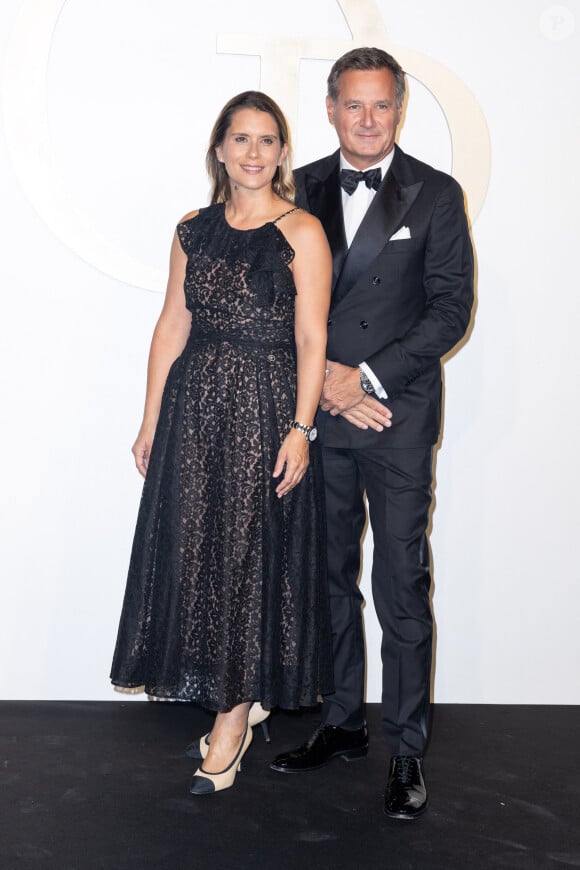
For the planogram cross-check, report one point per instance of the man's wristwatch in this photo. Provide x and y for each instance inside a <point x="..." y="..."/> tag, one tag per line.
<point x="309" y="432"/>
<point x="366" y="382"/>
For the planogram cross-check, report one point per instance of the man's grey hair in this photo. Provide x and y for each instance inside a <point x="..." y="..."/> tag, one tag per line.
<point x="366" y="59"/>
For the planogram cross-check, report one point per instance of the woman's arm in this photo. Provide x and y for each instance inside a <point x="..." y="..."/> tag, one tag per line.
<point x="312" y="269"/>
<point x="169" y="339"/>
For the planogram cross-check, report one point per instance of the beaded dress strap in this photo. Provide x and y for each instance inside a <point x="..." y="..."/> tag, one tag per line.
<point x="290" y="211"/>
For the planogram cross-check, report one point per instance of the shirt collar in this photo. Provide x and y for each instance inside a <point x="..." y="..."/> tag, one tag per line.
<point x="384" y="164"/>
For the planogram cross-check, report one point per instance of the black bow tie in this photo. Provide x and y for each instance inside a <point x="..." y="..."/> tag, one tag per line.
<point x="350" y="178"/>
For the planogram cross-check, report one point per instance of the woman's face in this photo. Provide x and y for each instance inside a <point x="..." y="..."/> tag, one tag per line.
<point x="251" y="150"/>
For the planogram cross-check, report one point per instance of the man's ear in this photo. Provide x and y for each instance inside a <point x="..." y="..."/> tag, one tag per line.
<point x="330" y="110"/>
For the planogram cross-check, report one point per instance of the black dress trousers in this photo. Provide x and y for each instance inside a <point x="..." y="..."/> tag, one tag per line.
<point x="398" y="487"/>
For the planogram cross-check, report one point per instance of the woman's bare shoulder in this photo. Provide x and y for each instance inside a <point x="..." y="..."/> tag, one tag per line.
<point x="301" y="227"/>
<point x="189" y="216"/>
<point x="301" y="218"/>
<point x="298" y="221"/>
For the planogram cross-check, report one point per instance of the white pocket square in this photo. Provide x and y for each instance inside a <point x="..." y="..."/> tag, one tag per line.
<point x="403" y="233"/>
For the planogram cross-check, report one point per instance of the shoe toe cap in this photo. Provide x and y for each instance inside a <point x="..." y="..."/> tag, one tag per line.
<point x="201" y="785"/>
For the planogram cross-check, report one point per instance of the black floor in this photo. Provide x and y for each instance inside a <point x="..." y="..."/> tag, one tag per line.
<point x="103" y="786"/>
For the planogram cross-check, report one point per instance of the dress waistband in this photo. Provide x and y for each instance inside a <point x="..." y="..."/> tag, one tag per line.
<point x="259" y="344"/>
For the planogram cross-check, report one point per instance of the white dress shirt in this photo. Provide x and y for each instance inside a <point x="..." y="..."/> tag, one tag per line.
<point x="354" y="208"/>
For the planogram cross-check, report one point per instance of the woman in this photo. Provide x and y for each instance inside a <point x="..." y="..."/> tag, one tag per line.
<point x="226" y="602"/>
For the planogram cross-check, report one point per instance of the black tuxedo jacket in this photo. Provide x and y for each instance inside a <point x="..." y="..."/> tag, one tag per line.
<point x="398" y="305"/>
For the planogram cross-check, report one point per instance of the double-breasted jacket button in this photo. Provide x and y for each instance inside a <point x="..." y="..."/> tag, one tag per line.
<point x="363" y="324"/>
<point x="376" y="280"/>
<point x="330" y="322"/>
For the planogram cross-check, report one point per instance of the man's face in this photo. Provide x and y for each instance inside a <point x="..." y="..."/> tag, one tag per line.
<point x="365" y="115"/>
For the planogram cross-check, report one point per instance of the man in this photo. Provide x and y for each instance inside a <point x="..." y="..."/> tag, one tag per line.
<point x="402" y="297"/>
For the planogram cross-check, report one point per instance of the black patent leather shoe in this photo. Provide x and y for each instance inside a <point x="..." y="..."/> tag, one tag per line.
<point x="406" y="794"/>
<point x="328" y="741"/>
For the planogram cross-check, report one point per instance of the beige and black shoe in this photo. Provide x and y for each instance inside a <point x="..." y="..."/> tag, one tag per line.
<point x="204" y="782"/>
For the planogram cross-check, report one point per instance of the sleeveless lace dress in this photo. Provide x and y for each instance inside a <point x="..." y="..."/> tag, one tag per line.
<point x="226" y="596"/>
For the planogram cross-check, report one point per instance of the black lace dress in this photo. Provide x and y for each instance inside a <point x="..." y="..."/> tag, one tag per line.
<point x="226" y="597"/>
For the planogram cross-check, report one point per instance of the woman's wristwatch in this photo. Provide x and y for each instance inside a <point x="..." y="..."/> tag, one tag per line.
<point x="309" y="432"/>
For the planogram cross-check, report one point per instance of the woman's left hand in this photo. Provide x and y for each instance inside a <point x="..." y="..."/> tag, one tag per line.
<point x="293" y="458"/>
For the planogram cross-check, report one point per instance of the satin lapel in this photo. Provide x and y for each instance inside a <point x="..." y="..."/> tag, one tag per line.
<point x="384" y="216"/>
<point x="325" y="202"/>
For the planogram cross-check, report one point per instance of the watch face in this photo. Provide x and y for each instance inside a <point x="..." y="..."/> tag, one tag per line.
<point x="313" y="434"/>
<point x="366" y="383"/>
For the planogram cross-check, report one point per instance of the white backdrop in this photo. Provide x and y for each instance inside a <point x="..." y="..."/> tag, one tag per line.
<point x="106" y="112"/>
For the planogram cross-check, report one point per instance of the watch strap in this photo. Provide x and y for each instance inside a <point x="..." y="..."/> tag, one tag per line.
<point x="302" y="427"/>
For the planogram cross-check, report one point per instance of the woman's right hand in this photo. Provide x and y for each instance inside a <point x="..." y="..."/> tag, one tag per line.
<point x="142" y="449"/>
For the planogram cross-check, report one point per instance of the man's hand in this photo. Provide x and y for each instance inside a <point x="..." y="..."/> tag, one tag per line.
<point x="343" y="394"/>
<point x="369" y="414"/>
<point x="342" y="389"/>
